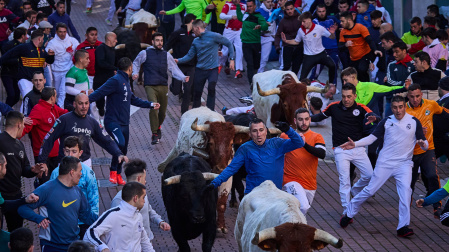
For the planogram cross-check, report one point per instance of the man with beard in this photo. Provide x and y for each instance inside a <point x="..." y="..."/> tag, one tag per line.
<point x="300" y="168"/>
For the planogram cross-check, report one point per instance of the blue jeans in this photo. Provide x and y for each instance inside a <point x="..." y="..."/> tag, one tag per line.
<point x="388" y="111"/>
<point x="47" y="76"/>
<point x="120" y="134"/>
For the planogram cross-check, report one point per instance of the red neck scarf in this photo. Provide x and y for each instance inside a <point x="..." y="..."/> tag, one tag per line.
<point x="304" y="29"/>
<point x="405" y="60"/>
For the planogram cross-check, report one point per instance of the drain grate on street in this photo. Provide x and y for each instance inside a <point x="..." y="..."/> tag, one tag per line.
<point x="105" y="183"/>
<point x="101" y="161"/>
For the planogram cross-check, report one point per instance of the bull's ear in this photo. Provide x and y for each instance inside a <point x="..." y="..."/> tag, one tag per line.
<point x="241" y="138"/>
<point x="268" y="245"/>
<point x="317" y="245"/>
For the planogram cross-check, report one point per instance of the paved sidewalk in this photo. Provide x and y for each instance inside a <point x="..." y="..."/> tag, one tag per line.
<point x="374" y="229"/>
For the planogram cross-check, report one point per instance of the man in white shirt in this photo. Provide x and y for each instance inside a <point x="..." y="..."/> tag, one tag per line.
<point x="314" y="52"/>
<point x="64" y="47"/>
<point x="121" y="228"/>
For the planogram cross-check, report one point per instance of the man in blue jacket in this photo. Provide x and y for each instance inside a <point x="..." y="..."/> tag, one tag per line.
<point x="118" y="111"/>
<point x="364" y="10"/>
<point x="59" y="16"/>
<point x="263" y="159"/>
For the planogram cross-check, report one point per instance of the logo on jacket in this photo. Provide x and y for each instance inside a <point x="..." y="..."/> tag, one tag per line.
<point x="409" y="126"/>
<point x="67" y="204"/>
<point x="356" y="112"/>
<point x="21" y="154"/>
<point x="80" y="130"/>
<point x="427" y="112"/>
<point x="50" y="120"/>
<point x="366" y="18"/>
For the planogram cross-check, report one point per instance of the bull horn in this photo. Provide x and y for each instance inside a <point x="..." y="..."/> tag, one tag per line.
<point x="209" y="175"/>
<point x="324" y="236"/>
<point x="274" y="131"/>
<point x="172" y="180"/>
<point x="241" y="129"/>
<point x="314" y="89"/>
<point x="269" y="92"/>
<point x="267" y="233"/>
<point x="152" y="26"/>
<point x="199" y="153"/>
<point x="144" y="45"/>
<point x="120" y="46"/>
<point x="129" y="26"/>
<point x="196" y="127"/>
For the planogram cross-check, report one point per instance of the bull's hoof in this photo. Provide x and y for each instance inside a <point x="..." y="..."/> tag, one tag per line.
<point x="161" y="168"/>
<point x="233" y="204"/>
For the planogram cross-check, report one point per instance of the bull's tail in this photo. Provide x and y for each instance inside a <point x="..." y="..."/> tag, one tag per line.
<point x="172" y="155"/>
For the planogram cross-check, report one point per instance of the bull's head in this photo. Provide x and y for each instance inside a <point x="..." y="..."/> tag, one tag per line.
<point x="294" y="237"/>
<point x="291" y="97"/>
<point x="192" y="194"/>
<point x="221" y="136"/>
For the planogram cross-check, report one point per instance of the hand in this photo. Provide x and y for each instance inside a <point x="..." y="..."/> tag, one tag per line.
<point x="283" y="37"/>
<point x="385" y="79"/>
<point x="379" y="53"/>
<point x="187" y="79"/>
<point x="32" y="198"/>
<point x="348" y="145"/>
<point x="232" y="65"/>
<point x="407" y="83"/>
<point x="176" y="60"/>
<point x="371" y="67"/>
<point x="44" y="223"/>
<point x="8" y="32"/>
<point x="27" y="121"/>
<point x="257" y="27"/>
<point x="135" y="76"/>
<point x="348" y="43"/>
<point x="419" y="202"/>
<point x="421" y="143"/>
<point x="90" y="91"/>
<point x="234" y="17"/>
<point x="40" y="169"/>
<point x="162" y="12"/>
<point x="371" y="119"/>
<point x="122" y="158"/>
<point x="164" y="226"/>
<point x="283" y="126"/>
<point x="45" y="63"/>
<point x="50" y="52"/>
<point x="156" y="105"/>
<point x="118" y="11"/>
<point x="333" y="28"/>
<point x="115" y="72"/>
<point x="302" y="136"/>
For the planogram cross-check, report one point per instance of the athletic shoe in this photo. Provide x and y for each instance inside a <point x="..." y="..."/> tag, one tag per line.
<point x="405" y="231"/>
<point x="437" y="213"/>
<point x="219" y="69"/>
<point x="159" y="133"/>
<point x="155" y="139"/>
<point x="238" y="74"/>
<point x="227" y="71"/>
<point x="89" y="10"/>
<point x="345" y="221"/>
<point x="113" y="177"/>
<point x="246" y="99"/>
<point x="120" y="180"/>
<point x="223" y="110"/>
<point x="108" y="22"/>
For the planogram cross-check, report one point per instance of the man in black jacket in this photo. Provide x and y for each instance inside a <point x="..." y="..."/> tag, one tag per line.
<point x="180" y="41"/>
<point x="104" y="65"/>
<point x="440" y="122"/>
<point x="33" y="97"/>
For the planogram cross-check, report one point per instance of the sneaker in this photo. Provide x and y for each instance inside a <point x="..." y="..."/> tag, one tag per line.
<point x="405" y="231"/>
<point x="89" y="10"/>
<point x="108" y="22"/>
<point x="246" y="99"/>
<point x="345" y="221"/>
<point x="238" y="74"/>
<point x="113" y="177"/>
<point x="219" y="69"/>
<point x="437" y="213"/>
<point x="223" y="110"/>
<point x="155" y="139"/>
<point x="120" y="180"/>
<point x="227" y="71"/>
<point x="159" y="133"/>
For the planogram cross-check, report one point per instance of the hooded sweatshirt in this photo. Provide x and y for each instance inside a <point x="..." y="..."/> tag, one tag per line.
<point x="288" y="25"/>
<point x="64" y="51"/>
<point x="365" y="18"/>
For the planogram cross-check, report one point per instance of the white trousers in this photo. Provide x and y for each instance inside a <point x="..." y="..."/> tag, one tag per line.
<point x="304" y="196"/>
<point x="129" y="13"/>
<point x="234" y="37"/>
<point x="238" y="110"/>
<point x="59" y="84"/>
<point x="360" y="159"/>
<point x="266" y="45"/>
<point x="25" y="86"/>
<point x="111" y="11"/>
<point x="402" y="173"/>
<point x="89" y="3"/>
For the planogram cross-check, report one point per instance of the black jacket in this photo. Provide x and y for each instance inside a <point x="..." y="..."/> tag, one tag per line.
<point x="11" y="66"/>
<point x="104" y="64"/>
<point x="30" y="100"/>
<point x="440" y="130"/>
<point x="181" y="41"/>
<point x="428" y="80"/>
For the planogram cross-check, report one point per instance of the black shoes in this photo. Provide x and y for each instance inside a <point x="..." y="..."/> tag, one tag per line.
<point x="405" y="231"/>
<point x="437" y="213"/>
<point x="159" y="133"/>
<point x="155" y="139"/>
<point x="345" y="221"/>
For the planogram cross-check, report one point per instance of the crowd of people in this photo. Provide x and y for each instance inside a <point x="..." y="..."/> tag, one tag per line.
<point x="391" y="121"/>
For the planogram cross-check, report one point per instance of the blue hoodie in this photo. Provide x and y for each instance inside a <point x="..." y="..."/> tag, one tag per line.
<point x="365" y="18"/>
<point x="327" y="42"/>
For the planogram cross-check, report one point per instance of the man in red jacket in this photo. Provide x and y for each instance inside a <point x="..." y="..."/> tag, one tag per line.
<point x="90" y="45"/>
<point x="44" y="115"/>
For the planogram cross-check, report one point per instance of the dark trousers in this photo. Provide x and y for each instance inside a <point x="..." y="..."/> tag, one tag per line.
<point x="187" y="86"/>
<point x="362" y="66"/>
<point x="312" y="60"/>
<point x="83" y="229"/>
<point x="52" y="163"/>
<point x="211" y="75"/>
<point x="166" y="29"/>
<point x="251" y="53"/>
<point x="120" y="134"/>
<point x="68" y="6"/>
<point x="344" y="58"/>
<point x="292" y="57"/>
<point x="12" y="89"/>
<point x="100" y="103"/>
<point x="428" y="164"/>
<point x="47" y="248"/>
<point x="13" y="219"/>
<point x="445" y="219"/>
<point x="333" y="53"/>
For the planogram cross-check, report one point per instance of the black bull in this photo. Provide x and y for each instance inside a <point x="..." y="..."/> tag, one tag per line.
<point x="191" y="210"/>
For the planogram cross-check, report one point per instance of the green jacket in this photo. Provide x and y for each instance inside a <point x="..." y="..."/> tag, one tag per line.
<point x="410" y="39"/>
<point x="369" y="94"/>
<point x="249" y="35"/>
<point x="196" y="7"/>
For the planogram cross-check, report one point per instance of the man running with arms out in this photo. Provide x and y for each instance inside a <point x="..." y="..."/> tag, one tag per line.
<point x="301" y="164"/>
<point x="400" y="134"/>
<point x="262" y="157"/>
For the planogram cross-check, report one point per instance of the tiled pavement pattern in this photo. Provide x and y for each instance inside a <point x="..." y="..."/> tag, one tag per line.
<point x="374" y="229"/>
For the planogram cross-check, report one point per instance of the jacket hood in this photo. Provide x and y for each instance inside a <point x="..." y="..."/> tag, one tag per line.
<point x="262" y="6"/>
<point x="295" y="15"/>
